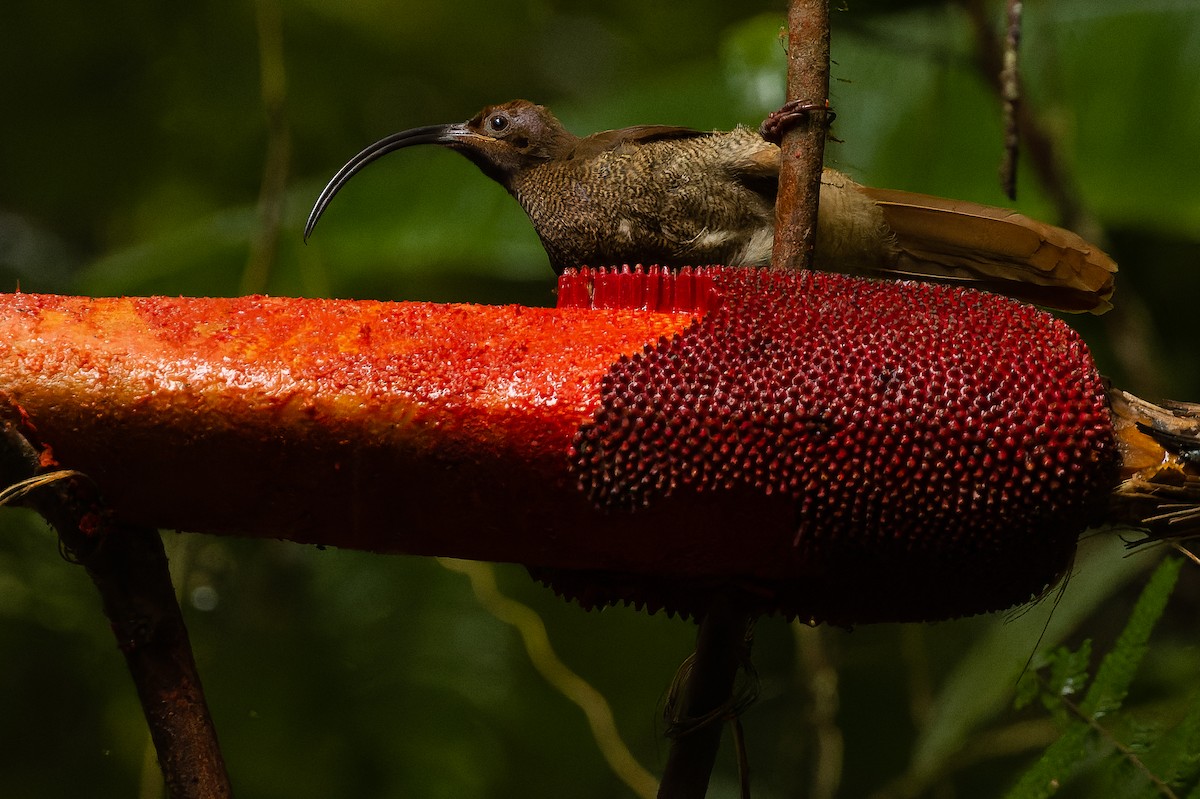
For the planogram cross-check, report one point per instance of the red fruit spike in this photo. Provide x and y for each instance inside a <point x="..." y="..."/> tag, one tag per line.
<point x="861" y="402"/>
<point x="602" y="294"/>
<point x="685" y="290"/>
<point x="817" y="445"/>
<point x="652" y="292"/>
<point x="628" y="295"/>
<point x="574" y="289"/>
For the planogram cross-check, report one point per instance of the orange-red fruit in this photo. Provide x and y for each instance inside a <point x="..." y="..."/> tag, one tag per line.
<point x="841" y="449"/>
<point x="942" y="449"/>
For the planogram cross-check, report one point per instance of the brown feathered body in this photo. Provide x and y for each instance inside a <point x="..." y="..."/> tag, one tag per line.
<point x="674" y="196"/>
<point x="636" y="196"/>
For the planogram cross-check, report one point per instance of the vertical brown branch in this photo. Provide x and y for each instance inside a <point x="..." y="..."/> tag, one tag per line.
<point x="1040" y="146"/>
<point x="1010" y="93"/>
<point x="804" y="143"/>
<point x="707" y="701"/>
<point x="1129" y="323"/>
<point x="129" y="568"/>
<point x="722" y="645"/>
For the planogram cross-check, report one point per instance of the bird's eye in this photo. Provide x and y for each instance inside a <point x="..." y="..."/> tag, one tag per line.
<point x="498" y="123"/>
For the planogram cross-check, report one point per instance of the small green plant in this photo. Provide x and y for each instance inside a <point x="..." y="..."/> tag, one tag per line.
<point x="1099" y="735"/>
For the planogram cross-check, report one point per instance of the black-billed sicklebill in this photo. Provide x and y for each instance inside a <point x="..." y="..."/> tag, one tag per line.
<point x="655" y="194"/>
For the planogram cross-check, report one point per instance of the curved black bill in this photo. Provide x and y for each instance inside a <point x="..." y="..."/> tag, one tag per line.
<point x="430" y="134"/>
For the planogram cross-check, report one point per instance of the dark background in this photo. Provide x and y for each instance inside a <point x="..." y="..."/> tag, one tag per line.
<point x="144" y="149"/>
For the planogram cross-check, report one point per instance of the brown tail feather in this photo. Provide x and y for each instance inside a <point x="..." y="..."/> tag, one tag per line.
<point x="993" y="248"/>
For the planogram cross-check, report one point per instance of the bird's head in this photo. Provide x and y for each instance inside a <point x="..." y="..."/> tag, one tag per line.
<point x="502" y="140"/>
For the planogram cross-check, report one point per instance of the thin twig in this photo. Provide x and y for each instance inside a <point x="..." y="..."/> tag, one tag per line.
<point x="743" y="759"/>
<point x="708" y="700"/>
<point x="1126" y="751"/>
<point x="1129" y="324"/>
<point x="1040" y="146"/>
<point x="1187" y="553"/>
<point x="129" y="568"/>
<point x="1010" y="93"/>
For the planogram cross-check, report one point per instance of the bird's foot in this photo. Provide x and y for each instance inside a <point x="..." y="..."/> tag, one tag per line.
<point x="779" y="122"/>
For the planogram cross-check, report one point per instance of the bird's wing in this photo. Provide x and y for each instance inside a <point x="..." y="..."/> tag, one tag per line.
<point x="954" y="240"/>
<point x="606" y="140"/>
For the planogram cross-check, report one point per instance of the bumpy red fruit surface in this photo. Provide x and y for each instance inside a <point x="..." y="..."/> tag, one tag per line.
<point x="941" y="448"/>
<point x="821" y="446"/>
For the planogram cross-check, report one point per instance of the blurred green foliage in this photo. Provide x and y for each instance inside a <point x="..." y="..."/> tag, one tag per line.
<point x="133" y="155"/>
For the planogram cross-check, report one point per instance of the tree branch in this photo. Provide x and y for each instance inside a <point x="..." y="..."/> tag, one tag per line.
<point x="803" y="144"/>
<point x="722" y="646"/>
<point x="1129" y="324"/>
<point x="706" y="681"/>
<point x="129" y="568"/>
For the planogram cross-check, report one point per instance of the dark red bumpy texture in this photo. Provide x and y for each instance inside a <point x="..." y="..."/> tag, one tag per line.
<point x="944" y="448"/>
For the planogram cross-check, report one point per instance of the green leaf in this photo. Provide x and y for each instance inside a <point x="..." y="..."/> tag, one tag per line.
<point x="1107" y="692"/>
<point x="1058" y="763"/>
<point x="981" y="686"/>
<point x="1176" y="755"/>
<point x="1029" y="688"/>
<point x="1116" y="671"/>
<point x="1068" y="673"/>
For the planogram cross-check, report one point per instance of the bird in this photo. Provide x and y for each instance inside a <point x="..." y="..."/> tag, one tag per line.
<point x="676" y="196"/>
